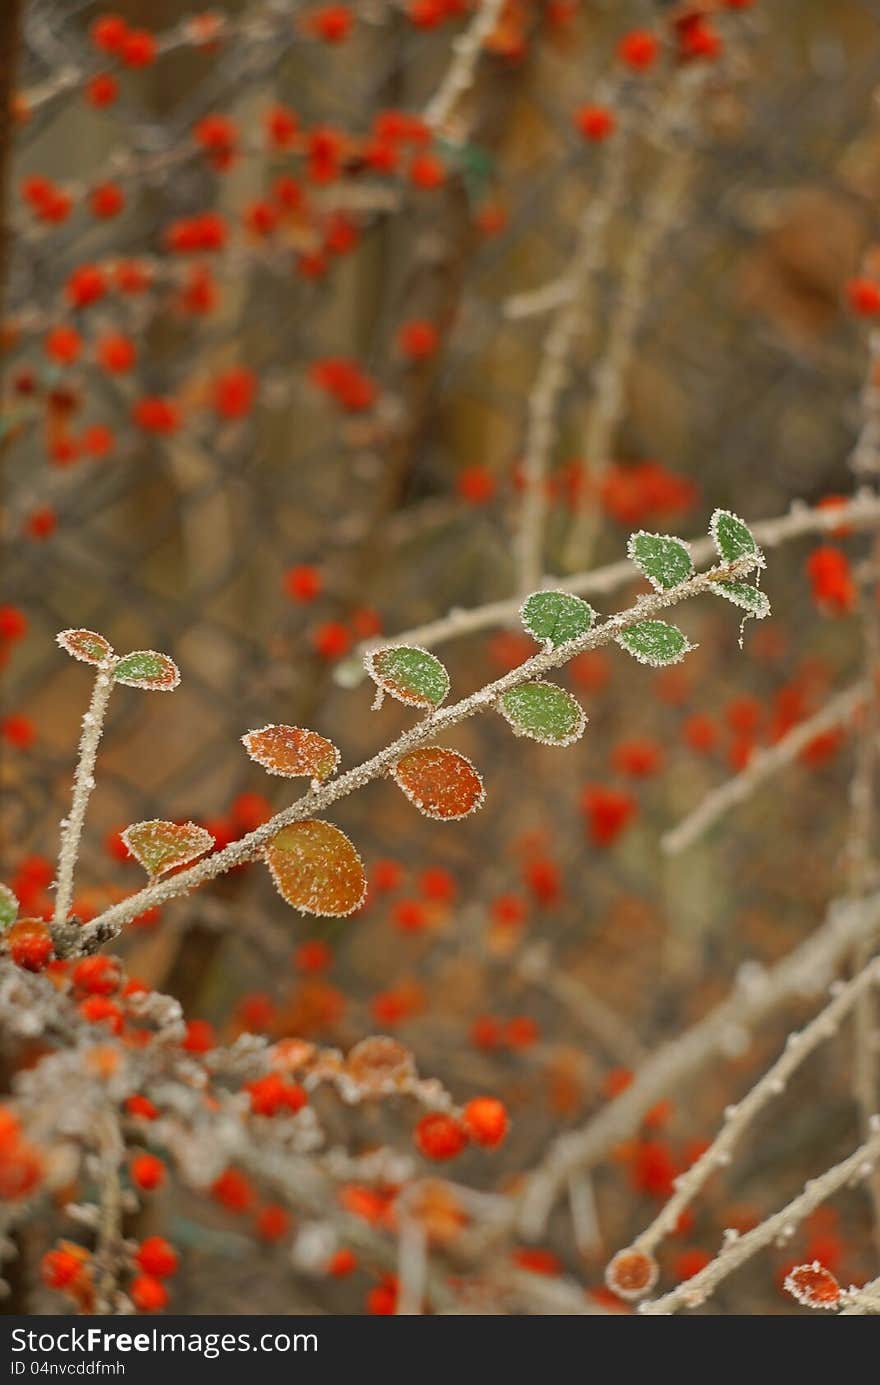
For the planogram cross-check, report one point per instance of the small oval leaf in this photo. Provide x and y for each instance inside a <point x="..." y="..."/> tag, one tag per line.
<point x="731" y="537"/>
<point x="743" y="594"/>
<point x="159" y="846"/>
<point x="86" y="645"/>
<point x="144" y="668"/>
<point x="8" y="907"/>
<point x="654" y="642"/>
<point x="441" y="783"/>
<point x="409" y="673"/>
<point x="664" y="560"/>
<point x="292" y="751"/>
<point x="555" y="617"/>
<point x="317" y="869"/>
<point x="544" y="712"/>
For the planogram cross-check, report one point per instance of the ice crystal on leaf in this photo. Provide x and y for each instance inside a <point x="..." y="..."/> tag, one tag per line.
<point x="750" y="599"/>
<point x="813" y="1285"/>
<point x="654" y="642"/>
<point x="544" y="712"/>
<point x="632" y="1273"/>
<point x="292" y="751"/>
<point x="731" y="537"/>
<point x="664" y="560"/>
<point x="555" y="617"/>
<point x="409" y="673"/>
<point x="441" y="783"/>
<point x="144" y="668"/>
<point x="317" y="869"/>
<point x="86" y="645"/>
<point x="160" y="846"/>
<point x="8" y="907"/>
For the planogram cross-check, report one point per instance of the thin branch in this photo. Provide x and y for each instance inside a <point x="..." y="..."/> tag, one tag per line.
<point x="763" y="765"/>
<point x="543" y="402"/>
<point x="460" y="73"/>
<point x="694" y="1292"/>
<point x="738" y="1118"/>
<point x="862" y="512"/>
<point x="806" y="969"/>
<point x="83" y="783"/>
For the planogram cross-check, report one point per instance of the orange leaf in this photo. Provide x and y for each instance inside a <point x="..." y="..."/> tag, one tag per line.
<point x="441" y="783"/>
<point x="291" y="751"/>
<point x="316" y="869"/>
<point x="160" y="846"/>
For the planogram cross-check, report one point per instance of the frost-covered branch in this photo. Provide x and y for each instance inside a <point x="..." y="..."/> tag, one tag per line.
<point x="763" y="765"/>
<point x="694" y="1291"/>
<point x="862" y="512"/>
<point x="466" y="54"/>
<point x="738" y="1118"/>
<point x="803" y="972"/>
<point x="83" y="783"/>
<point x="245" y="848"/>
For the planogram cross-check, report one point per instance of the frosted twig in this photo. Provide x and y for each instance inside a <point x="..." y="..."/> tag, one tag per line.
<point x="245" y="848"/>
<point x="862" y="512"/>
<point x="543" y="401"/>
<point x="460" y="73"/>
<point x="738" y="1118"/>
<point x="112" y="1153"/>
<point x="694" y="1291"/>
<point x="806" y="969"/>
<point x="83" y="783"/>
<point x="762" y="766"/>
<point x="862" y="1301"/>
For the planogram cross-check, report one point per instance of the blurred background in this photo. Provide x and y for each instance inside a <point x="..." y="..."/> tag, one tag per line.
<point x="265" y="526"/>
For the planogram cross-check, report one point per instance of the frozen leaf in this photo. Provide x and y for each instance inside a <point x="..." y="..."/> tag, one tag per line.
<point x="160" y="846"/>
<point x="544" y="712"/>
<point x="654" y="642"/>
<point x="813" y="1285"/>
<point x="410" y="674"/>
<point x="144" y="668"/>
<point x="291" y="751"/>
<point x="8" y="907"/>
<point x="731" y="537"/>
<point x="743" y="594"/>
<point x="86" y="645"/>
<point x="556" y="617"/>
<point x="316" y="868"/>
<point x="665" y="561"/>
<point x="441" y="783"/>
<point x="632" y="1273"/>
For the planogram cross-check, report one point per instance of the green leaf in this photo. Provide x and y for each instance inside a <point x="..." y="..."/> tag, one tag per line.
<point x="144" y="668"/>
<point x="731" y="537"/>
<point x="8" y="907"/>
<point x="544" y="712"/>
<point x="654" y="642"/>
<point x="409" y="673"/>
<point x="664" y="560"/>
<point x="743" y="594"/>
<point x="555" y="617"/>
